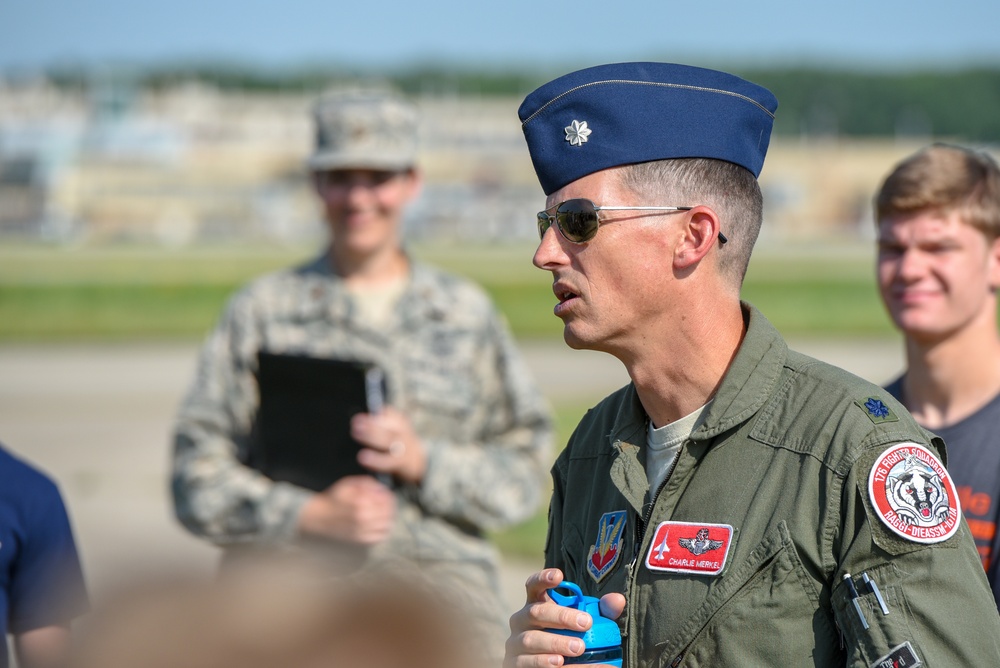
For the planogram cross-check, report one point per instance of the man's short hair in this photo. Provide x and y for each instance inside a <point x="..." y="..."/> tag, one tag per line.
<point x="730" y="190"/>
<point x="944" y="178"/>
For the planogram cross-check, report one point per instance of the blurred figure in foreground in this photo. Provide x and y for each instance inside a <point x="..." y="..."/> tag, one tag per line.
<point x="41" y="583"/>
<point x="938" y="217"/>
<point x="271" y="622"/>
<point x="463" y="441"/>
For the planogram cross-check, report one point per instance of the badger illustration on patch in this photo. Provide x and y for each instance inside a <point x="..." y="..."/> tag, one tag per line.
<point x="917" y="494"/>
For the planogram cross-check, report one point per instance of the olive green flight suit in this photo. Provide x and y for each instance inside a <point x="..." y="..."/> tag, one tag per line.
<point x="783" y="458"/>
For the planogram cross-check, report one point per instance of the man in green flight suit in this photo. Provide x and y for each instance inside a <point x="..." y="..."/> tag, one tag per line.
<point x="737" y="504"/>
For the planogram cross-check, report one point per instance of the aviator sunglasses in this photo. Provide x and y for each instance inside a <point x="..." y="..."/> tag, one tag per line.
<point x="577" y="219"/>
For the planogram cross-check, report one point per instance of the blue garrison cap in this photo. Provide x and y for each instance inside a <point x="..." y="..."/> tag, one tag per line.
<point x="625" y="113"/>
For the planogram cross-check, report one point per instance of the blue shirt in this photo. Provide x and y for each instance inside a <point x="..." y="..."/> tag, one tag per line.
<point x="41" y="582"/>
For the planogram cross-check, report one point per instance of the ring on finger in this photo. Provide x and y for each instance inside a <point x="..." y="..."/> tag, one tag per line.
<point x="397" y="448"/>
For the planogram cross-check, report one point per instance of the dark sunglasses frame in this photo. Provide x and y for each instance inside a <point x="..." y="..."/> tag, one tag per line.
<point x="577" y="219"/>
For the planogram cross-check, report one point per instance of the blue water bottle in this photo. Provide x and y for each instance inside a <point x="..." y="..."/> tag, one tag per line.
<point x="603" y="640"/>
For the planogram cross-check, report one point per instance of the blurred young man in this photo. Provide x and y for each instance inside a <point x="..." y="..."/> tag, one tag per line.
<point x="465" y="437"/>
<point x="938" y="216"/>
<point x="737" y="504"/>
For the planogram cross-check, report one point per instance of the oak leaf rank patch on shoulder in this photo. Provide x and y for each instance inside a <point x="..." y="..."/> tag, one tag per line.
<point x="877" y="410"/>
<point x="913" y="494"/>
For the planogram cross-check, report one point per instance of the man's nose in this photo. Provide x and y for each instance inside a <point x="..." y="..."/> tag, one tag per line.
<point x="911" y="264"/>
<point x="550" y="252"/>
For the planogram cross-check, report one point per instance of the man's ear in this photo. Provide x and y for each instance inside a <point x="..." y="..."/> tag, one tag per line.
<point x="700" y="234"/>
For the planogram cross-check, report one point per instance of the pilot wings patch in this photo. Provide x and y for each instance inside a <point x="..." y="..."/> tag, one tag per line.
<point x="700" y="544"/>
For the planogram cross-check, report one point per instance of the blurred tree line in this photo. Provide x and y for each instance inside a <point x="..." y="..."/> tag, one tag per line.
<point x="962" y="104"/>
<point x="815" y="102"/>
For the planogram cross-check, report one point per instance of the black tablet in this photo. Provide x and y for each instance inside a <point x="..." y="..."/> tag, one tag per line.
<point x="302" y="432"/>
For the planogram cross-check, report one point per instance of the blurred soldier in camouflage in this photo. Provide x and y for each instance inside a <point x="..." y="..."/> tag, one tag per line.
<point x="466" y="437"/>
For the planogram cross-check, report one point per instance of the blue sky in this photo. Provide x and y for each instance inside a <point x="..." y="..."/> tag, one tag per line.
<point x="880" y="34"/>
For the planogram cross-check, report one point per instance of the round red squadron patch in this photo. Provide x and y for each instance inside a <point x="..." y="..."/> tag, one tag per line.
<point x="913" y="494"/>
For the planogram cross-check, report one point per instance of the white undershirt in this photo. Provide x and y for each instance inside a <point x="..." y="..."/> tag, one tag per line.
<point x="663" y="445"/>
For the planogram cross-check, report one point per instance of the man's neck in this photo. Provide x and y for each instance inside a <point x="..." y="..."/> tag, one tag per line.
<point x="680" y="368"/>
<point x="948" y="380"/>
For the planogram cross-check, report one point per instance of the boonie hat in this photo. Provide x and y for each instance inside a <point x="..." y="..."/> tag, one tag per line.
<point x="364" y="129"/>
<point x="627" y="113"/>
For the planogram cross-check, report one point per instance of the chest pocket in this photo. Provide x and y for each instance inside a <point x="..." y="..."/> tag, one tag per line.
<point x="765" y="612"/>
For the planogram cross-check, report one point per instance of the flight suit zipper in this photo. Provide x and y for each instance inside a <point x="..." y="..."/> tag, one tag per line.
<point x="640" y="533"/>
<point x="640" y="529"/>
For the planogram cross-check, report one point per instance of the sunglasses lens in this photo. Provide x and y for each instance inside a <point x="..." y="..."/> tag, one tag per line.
<point x="577" y="220"/>
<point x="544" y="222"/>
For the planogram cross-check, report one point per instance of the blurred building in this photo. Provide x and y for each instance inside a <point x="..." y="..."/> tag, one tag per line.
<point x="186" y="164"/>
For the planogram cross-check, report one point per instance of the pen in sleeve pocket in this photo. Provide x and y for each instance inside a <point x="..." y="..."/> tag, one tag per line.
<point x="873" y="588"/>
<point x="854" y="600"/>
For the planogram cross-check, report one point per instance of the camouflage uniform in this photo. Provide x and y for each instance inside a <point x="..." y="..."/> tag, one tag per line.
<point x="451" y="367"/>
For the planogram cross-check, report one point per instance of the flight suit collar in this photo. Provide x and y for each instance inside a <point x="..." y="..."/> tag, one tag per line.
<point x="747" y="385"/>
<point x="751" y="378"/>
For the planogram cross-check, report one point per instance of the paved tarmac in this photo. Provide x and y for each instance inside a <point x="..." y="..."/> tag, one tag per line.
<point x="98" y="419"/>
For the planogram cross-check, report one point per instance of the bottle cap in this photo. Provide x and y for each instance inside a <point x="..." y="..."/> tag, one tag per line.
<point x="603" y="632"/>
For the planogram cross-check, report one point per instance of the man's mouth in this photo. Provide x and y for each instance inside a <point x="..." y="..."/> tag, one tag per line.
<point x="565" y="295"/>
<point x="913" y="297"/>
